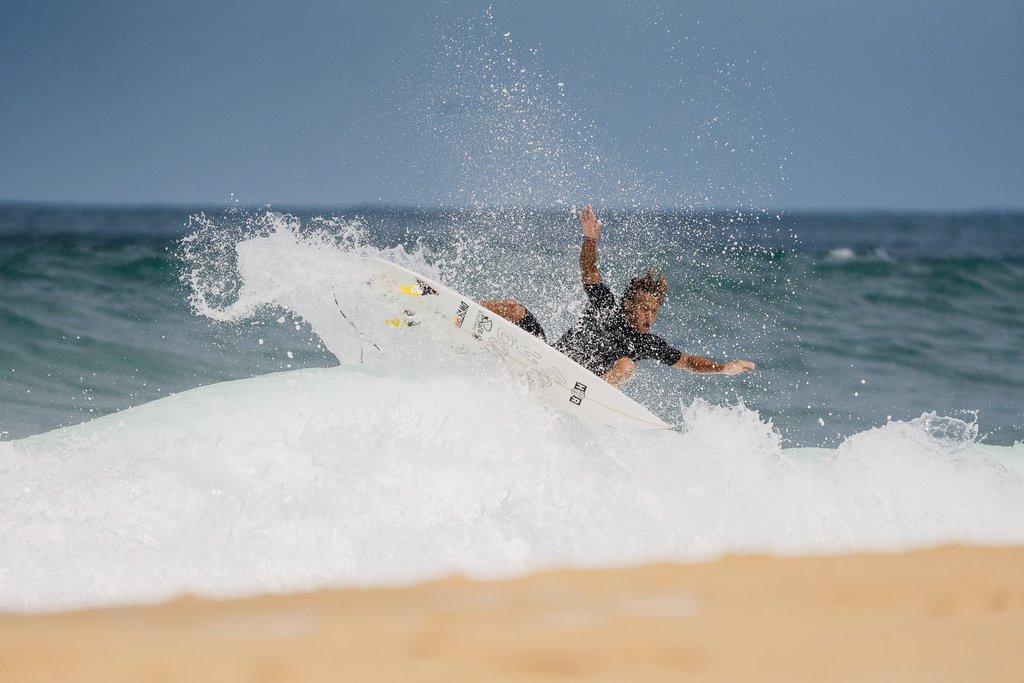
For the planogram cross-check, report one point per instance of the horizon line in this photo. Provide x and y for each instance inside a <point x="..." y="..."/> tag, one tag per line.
<point x="439" y="207"/>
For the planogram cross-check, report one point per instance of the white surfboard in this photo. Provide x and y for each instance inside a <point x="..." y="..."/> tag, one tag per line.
<point x="563" y="383"/>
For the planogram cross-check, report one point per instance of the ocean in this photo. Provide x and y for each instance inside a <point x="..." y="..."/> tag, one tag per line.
<point x="177" y="413"/>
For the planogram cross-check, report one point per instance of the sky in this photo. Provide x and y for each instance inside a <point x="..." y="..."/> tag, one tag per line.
<point x="792" y="104"/>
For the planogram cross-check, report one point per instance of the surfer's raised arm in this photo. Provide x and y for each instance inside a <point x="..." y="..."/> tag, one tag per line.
<point x="588" y="254"/>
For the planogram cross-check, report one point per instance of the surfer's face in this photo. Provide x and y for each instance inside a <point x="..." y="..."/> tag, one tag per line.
<point x="641" y="309"/>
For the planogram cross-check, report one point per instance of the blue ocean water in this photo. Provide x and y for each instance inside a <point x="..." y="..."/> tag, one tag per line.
<point x="853" y="319"/>
<point x="175" y="415"/>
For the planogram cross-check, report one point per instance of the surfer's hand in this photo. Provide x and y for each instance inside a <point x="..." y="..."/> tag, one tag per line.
<point x="735" y="367"/>
<point x="591" y="226"/>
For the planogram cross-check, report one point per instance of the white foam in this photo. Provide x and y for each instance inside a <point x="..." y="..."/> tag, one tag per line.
<point x="357" y="475"/>
<point x="313" y="276"/>
<point x="842" y="254"/>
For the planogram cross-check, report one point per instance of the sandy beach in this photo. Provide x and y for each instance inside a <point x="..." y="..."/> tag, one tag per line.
<point x="947" y="614"/>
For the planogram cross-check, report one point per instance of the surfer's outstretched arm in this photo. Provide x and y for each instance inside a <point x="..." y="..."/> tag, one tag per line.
<point x="707" y="366"/>
<point x="588" y="254"/>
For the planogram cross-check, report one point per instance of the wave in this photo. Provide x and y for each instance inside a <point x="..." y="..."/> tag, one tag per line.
<point x="434" y="462"/>
<point x="847" y="254"/>
<point x="360" y="475"/>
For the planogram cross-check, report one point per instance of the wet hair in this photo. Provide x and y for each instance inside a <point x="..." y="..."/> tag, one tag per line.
<point x="652" y="282"/>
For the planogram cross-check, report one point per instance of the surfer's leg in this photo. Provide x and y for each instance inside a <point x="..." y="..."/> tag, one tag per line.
<point x="531" y="325"/>
<point x="509" y="309"/>
<point x="513" y="311"/>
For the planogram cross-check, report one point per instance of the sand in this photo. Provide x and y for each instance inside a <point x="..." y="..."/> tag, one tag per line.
<point x="948" y="614"/>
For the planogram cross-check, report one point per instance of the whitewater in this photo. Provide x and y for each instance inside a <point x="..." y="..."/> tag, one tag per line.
<point x="417" y="462"/>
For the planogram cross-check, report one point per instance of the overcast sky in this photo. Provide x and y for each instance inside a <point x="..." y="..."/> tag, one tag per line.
<point x="789" y="104"/>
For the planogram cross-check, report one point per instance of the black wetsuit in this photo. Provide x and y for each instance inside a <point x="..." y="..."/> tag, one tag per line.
<point x="602" y="336"/>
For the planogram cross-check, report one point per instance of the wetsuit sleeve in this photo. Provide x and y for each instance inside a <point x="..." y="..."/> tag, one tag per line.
<point x="600" y="296"/>
<point x="656" y="348"/>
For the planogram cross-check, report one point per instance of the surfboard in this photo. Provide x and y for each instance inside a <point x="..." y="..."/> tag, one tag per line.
<point x="557" y="379"/>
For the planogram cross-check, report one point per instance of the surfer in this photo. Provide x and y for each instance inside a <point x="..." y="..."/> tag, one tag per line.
<point x="608" y="338"/>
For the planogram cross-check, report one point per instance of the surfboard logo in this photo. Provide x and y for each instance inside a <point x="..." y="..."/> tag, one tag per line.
<point x="544" y="377"/>
<point x="460" y="315"/>
<point x="421" y="288"/>
<point x="482" y="325"/>
<point x="578" y="393"/>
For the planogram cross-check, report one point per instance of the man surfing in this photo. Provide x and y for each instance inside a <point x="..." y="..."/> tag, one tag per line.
<point x="609" y="338"/>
